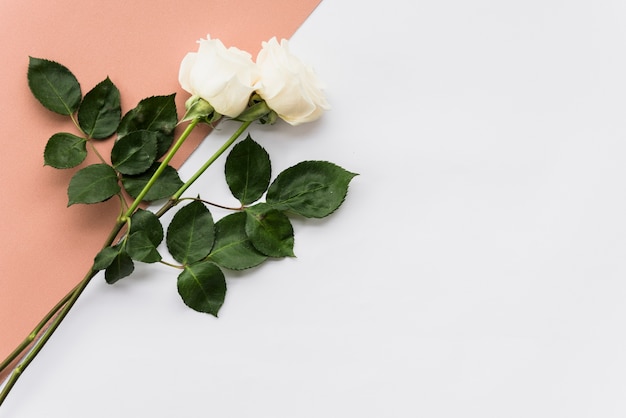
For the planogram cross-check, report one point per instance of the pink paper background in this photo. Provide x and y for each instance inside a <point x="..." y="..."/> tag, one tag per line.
<point x="46" y="247"/>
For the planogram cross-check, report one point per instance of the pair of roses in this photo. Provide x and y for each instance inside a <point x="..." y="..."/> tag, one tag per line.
<point x="227" y="77"/>
<point x="223" y="83"/>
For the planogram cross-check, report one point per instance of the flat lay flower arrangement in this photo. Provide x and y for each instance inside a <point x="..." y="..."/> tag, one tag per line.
<point x="224" y="84"/>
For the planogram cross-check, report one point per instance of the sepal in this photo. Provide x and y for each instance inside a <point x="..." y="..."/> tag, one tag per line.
<point x="198" y="108"/>
<point x="258" y="110"/>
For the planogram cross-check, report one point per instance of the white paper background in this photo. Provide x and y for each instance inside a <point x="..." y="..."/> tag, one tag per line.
<point x="475" y="270"/>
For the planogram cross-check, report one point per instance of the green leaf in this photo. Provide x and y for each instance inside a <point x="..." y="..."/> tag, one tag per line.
<point x="270" y="231"/>
<point x="165" y="186"/>
<point x="135" y="153"/>
<point x="122" y="266"/>
<point x="148" y="222"/>
<point x="313" y="189"/>
<point x="65" y="150"/>
<point x="233" y="249"/>
<point x="248" y="171"/>
<point x="105" y="257"/>
<point x="55" y="87"/>
<point x="145" y="234"/>
<point x="140" y="247"/>
<point x="191" y="233"/>
<point x="100" y="112"/>
<point x="155" y="114"/>
<point x="93" y="184"/>
<point x="202" y="287"/>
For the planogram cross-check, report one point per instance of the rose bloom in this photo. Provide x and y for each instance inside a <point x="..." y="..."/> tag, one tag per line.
<point x="288" y="86"/>
<point x="223" y="77"/>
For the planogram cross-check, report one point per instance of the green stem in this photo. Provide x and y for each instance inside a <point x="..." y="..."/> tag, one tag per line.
<point x="176" y="196"/>
<point x="95" y="151"/>
<point x="75" y="122"/>
<point x="217" y="205"/>
<point x="62" y="308"/>
<point x="161" y="168"/>
<point x="19" y="369"/>
<point x="211" y="160"/>
<point x="33" y="335"/>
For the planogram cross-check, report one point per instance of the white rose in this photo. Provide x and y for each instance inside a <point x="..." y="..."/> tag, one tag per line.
<point x="288" y="86"/>
<point x="223" y="77"/>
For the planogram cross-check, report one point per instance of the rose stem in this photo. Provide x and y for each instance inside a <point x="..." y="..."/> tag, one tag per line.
<point x="161" y="168"/>
<point x="176" y="196"/>
<point x="33" y="335"/>
<point x="64" y="305"/>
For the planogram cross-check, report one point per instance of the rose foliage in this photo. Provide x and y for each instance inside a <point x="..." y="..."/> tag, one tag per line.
<point x="224" y="83"/>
